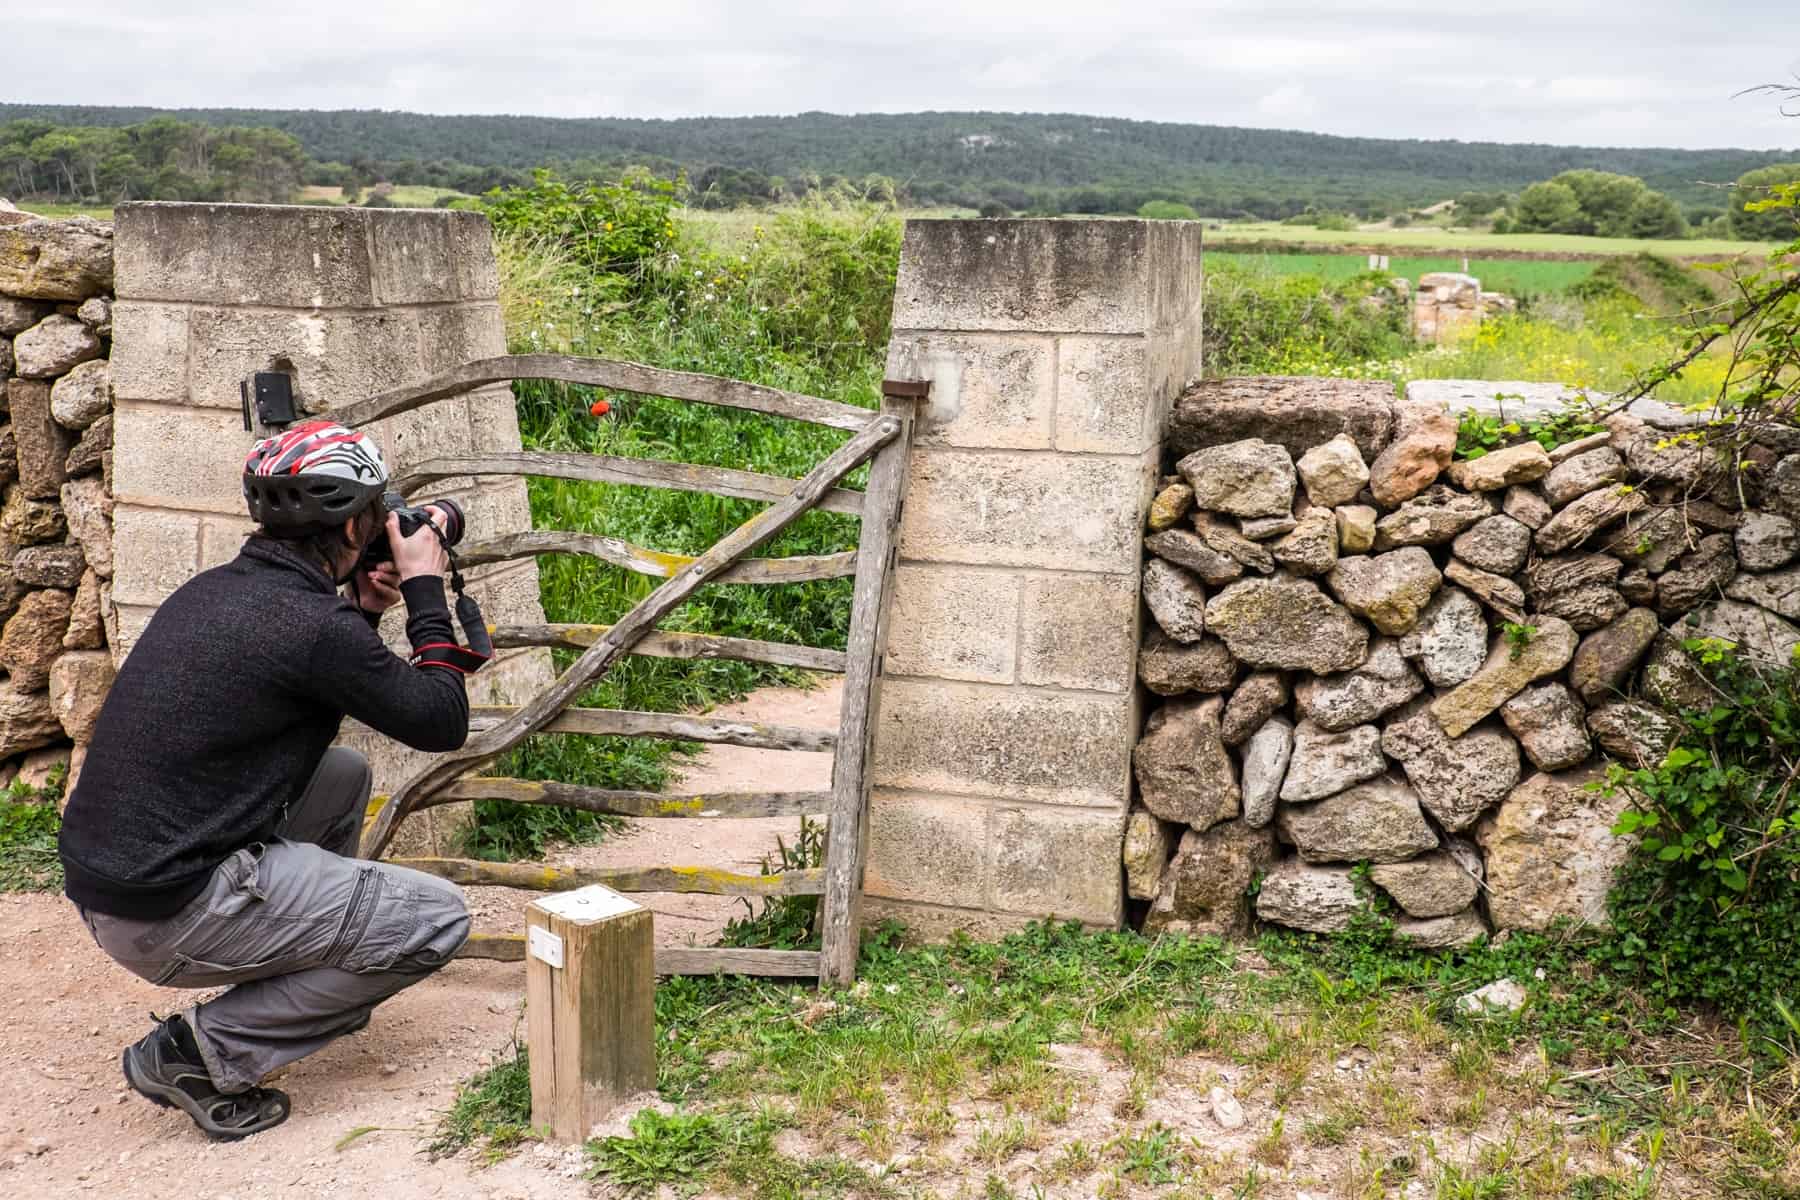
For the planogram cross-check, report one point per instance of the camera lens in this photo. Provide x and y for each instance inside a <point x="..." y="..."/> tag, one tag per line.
<point x="452" y="523"/>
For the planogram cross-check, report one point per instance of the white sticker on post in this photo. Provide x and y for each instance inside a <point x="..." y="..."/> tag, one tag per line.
<point x="544" y="945"/>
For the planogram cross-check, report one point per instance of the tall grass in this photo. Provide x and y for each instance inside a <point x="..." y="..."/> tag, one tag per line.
<point x="802" y="304"/>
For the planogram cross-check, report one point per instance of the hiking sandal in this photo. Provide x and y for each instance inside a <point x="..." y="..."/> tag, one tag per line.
<point x="160" y="1069"/>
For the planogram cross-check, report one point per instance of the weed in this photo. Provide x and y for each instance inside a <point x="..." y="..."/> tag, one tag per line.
<point x="783" y="922"/>
<point x="493" y="1108"/>
<point x="678" y="1150"/>
<point x="1148" y="1156"/>
<point x="1705" y="907"/>
<point x="1517" y="637"/>
<point x="996" y="1144"/>
<point x="1479" y="434"/>
<point x="1076" y="1159"/>
<point x="28" y="829"/>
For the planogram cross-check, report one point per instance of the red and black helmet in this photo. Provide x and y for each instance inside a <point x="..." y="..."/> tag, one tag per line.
<point x="312" y="476"/>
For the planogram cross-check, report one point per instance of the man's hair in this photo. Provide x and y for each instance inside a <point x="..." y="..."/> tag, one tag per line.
<point x="327" y="546"/>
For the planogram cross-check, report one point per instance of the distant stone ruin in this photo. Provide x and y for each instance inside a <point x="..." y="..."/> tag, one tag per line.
<point x="1448" y="303"/>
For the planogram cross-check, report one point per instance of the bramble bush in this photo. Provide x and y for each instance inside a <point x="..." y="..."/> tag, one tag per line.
<point x="611" y="232"/>
<point x="1707" y="909"/>
<point x="1258" y="321"/>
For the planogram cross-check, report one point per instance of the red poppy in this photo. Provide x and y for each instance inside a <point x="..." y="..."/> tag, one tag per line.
<point x="599" y="408"/>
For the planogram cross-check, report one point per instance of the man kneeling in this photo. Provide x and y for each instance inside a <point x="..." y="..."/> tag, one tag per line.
<point x="210" y="839"/>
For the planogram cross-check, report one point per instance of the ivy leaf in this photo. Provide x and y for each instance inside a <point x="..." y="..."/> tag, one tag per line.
<point x="1680" y="757"/>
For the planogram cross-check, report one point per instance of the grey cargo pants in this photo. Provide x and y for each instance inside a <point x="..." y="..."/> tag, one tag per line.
<point x="309" y="938"/>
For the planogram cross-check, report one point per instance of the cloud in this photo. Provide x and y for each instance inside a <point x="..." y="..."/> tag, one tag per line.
<point x="1620" y="72"/>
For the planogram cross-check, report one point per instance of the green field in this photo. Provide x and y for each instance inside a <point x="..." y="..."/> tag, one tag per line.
<point x="1434" y="238"/>
<point x="1514" y="276"/>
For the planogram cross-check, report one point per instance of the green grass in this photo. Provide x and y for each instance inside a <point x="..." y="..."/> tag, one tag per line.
<point x="493" y="1109"/>
<point x="1510" y="275"/>
<point x="1433" y="238"/>
<point x="28" y="827"/>
<point x="952" y="1062"/>
<point x="101" y="212"/>
<point x="28" y="861"/>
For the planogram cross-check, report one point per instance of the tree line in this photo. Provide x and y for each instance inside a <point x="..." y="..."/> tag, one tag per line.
<point x="1017" y="161"/>
<point x="159" y="159"/>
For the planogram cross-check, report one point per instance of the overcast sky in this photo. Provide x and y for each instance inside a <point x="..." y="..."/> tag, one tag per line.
<point x="1592" y="72"/>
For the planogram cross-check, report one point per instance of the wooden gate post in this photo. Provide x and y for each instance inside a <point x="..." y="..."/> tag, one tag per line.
<point x="589" y="1006"/>
<point x="847" y="831"/>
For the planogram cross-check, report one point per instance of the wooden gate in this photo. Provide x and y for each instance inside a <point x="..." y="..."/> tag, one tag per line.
<point x="879" y="438"/>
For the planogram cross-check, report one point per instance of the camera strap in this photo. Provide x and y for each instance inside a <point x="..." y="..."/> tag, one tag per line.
<point x="480" y="650"/>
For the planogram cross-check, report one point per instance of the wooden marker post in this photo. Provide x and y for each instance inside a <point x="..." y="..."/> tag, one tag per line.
<point x="590" y="989"/>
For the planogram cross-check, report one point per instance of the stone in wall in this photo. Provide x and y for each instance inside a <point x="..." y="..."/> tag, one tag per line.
<point x="1318" y="899"/>
<point x="1383" y="682"/>
<point x="1550" y="724"/>
<point x="1296" y="413"/>
<point x="1550" y="852"/>
<point x="1457" y="777"/>
<point x="1423" y="443"/>
<point x="1440" y="884"/>
<point x="1333" y="473"/>
<point x="1205" y="889"/>
<point x="1288" y="624"/>
<point x="1250" y="478"/>
<point x="1388" y="590"/>
<point x="1378" y="820"/>
<point x="56" y="260"/>
<point x="1184" y="772"/>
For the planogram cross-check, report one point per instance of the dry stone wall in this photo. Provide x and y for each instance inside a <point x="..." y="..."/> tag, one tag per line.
<point x="56" y="560"/>
<point x="1367" y="652"/>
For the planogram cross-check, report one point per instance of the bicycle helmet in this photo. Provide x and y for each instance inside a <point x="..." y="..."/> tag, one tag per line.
<point x="311" y="477"/>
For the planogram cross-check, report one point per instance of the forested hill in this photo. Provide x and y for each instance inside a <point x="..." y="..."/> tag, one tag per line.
<point x="1078" y="163"/>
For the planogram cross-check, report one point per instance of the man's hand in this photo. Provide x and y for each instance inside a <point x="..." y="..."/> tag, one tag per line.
<point x="377" y="589"/>
<point x="420" y="554"/>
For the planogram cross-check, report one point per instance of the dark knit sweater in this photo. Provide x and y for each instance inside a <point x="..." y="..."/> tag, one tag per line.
<point x="221" y="714"/>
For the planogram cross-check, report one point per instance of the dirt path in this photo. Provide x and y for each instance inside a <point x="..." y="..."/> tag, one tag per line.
<point x="68" y="1126"/>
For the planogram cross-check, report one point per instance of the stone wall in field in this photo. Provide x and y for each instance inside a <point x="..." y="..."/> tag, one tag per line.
<point x="56" y="554"/>
<point x="1366" y="652"/>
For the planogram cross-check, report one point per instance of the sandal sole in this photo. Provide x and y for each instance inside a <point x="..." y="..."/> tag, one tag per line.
<point x="165" y="1096"/>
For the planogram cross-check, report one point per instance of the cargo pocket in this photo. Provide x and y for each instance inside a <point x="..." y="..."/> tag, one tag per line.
<point x="415" y="926"/>
<point x="238" y="888"/>
<point x="376" y="921"/>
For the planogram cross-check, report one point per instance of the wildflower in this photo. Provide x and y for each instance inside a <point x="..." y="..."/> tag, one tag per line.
<point x="599" y="408"/>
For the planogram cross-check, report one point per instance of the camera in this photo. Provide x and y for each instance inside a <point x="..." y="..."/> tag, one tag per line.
<point x="449" y="524"/>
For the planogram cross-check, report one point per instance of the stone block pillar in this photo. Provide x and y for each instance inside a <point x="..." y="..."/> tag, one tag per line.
<point x="350" y="302"/>
<point x="1009" y="705"/>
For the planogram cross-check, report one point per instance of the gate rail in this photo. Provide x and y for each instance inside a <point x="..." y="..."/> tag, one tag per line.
<point x="881" y="439"/>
